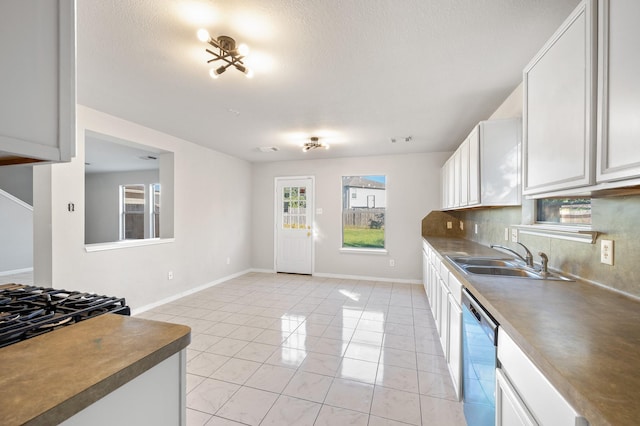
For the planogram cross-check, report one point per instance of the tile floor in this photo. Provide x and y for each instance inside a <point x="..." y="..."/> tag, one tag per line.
<point x="284" y="349"/>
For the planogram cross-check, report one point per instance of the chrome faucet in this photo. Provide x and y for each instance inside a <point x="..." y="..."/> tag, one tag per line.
<point x="544" y="263"/>
<point x="527" y="258"/>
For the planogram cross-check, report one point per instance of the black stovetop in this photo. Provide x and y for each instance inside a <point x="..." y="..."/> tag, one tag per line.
<point x="28" y="311"/>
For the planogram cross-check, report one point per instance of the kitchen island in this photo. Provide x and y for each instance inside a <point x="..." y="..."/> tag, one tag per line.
<point x="583" y="338"/>
<point x="91" y="369"/>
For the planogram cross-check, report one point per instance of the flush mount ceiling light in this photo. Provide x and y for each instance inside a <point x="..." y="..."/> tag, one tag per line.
<point x="313" y="144"/>
<point x="225" y="50"/>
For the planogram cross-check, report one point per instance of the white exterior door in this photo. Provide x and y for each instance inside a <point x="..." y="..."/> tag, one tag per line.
<point x="294" y="220"/>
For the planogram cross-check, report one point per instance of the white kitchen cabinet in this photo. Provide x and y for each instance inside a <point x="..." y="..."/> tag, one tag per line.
<point x="473" y="185"/>
<point x="510" y="410"/>
<point x="559" y="107"/>
<point x="454" y="359"/>
<point x="618" y="156"/>
<point x="444" y="318"/>
<point x="489" y="167"/>
<point x="444" y="292"/>
<point x="38" y="103"/>
<point x="535" y="394"/>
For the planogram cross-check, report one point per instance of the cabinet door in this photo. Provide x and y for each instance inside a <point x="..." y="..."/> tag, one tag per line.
<point x="510" y="410"/>
<point x="473" y="142"/>
<point x="619" y="90"/>
<point x="444" y="318"/>
<point x="37" y="107"/>
<point x="559" y="114"/>
<point x="455" y="344"/>
<point x="464" y="173"/>
<point x="425" y="272"/>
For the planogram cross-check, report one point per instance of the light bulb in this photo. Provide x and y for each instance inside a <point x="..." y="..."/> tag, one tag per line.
<point x="203" y="35"/>
<point x="213" y="74"/>
<point x="326" y="147"/>
<point x="249" y="73"/>
<point x="243" y="49"/>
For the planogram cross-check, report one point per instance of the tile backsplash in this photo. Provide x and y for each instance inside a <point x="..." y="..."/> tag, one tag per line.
<point x="615" y="218"/>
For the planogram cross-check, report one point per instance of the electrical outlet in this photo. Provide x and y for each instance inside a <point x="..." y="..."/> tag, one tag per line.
<point x="449" y="225"/>
<point x="514" y="235"/>
<point x="461" y="225"/>
<point x="506" y="234"/>
<point x="392" y="262"/>
<point x="170" y="275"/>
<point x="228" y="260"/>
<point x="606" y="252"/>
<point x="476" y="228"/>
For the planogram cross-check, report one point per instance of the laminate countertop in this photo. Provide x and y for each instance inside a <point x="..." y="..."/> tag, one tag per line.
<point x="585" y="339"/>
<point x="51" y="377"/>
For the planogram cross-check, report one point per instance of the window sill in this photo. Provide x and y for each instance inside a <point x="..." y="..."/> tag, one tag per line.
<point x="580" y="234"/>
<point x="115" y="245"/>
<point x="363" y="251"/>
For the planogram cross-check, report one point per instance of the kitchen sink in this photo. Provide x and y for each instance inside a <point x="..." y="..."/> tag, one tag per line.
<point x="501" y="267"/>
<point x="487" y="261"/>
<point x="502" y="271"/>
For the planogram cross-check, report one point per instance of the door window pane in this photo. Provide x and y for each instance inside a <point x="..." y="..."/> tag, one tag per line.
<point x="133" y="202"/>
<point x="294" y="207"/>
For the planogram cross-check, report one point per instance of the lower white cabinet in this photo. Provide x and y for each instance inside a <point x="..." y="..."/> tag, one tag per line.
<point x="444" y="291"/>
<point x="524" y="395"/>
<point x="454" y="359"/>
<point x="510" y="410"/>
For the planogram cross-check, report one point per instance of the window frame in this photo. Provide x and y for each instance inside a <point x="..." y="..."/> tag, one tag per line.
<point x="347" y="197"/>
<point x="123" y="213"/>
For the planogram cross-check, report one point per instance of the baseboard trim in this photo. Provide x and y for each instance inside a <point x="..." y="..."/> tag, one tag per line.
<point x="15" y="271"/>
<point x="169" y="299"/>
<point x="362" y="277"/>
<point x="264" y="271"/>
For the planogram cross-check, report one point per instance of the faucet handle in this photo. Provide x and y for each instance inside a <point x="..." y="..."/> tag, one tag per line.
<point x="544" y="262"/>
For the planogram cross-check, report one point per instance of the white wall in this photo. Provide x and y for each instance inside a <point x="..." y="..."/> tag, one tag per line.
<point x="102" y="202"/>
<point x="16" y="234"/>
<point x="212" y="198"/>
<point x="413" y="188"/>
<point x="17" y="180"/>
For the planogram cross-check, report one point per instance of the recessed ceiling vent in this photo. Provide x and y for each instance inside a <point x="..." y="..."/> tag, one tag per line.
<point x="268" y="149"/>
<point x="148" y="157"/>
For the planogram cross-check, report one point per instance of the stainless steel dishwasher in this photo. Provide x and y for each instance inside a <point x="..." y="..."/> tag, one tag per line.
<point x="479" y="358"/>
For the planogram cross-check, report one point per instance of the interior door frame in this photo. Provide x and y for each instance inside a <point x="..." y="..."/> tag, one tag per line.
<point x="276" y="212"/>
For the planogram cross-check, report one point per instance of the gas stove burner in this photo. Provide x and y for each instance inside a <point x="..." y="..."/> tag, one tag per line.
<point x="28" y="311"/>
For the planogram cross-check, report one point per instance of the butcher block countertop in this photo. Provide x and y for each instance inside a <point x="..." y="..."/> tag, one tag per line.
<point x="585" y="339"/>
<point x="51" y="377"/>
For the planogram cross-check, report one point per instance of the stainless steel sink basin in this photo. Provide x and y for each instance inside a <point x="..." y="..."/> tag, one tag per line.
<point x="502" y="271"/>
<point x="487" y="261"/>
<point x="501" y="267"/>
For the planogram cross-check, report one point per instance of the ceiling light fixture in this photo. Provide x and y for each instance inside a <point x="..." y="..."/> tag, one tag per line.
<point x="226" y="51"/>
<point x="308" y="146"/>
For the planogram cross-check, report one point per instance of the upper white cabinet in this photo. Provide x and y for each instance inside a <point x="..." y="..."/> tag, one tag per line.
<point x="618" y="90"/>
<point x="487" y="171"/>
<point x="559" y="108"/>
<point x="38" y="85"/>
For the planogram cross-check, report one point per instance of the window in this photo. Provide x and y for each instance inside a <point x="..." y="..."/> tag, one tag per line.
<point x="132" y="212"/>
<point x="564" y="211"/>
<point x="363" y="211"/>
<point x="155" y="210"/>
<point x="294" y="205"/>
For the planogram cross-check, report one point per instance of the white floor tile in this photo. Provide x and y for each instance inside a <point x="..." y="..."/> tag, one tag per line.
<point x="332" y="416"/>
<point x="292" y="411"/>
<point x="271" y="378"/>
<point x="350" y="394"/>
<point x="309" y="386"/>
<point x="248" y="406"/>
<point x="396" y="405"/>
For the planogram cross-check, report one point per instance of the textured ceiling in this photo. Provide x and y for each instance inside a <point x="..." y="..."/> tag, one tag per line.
<point x="356" y="73"/>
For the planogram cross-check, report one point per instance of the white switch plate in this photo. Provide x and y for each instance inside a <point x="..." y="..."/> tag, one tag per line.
<point x="506" y="234"/>
<point x="392" y="262"/>
<point x="514" y="235"/>
<point x="170" y="275"/>
<point x="606" y="252"/>
<point x="449" y="225"/>
<point x="476" y="228"/>
<point x="461" y="225"/>
<point x="319" y="210"/>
